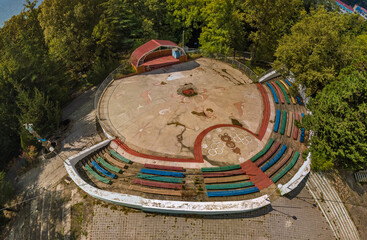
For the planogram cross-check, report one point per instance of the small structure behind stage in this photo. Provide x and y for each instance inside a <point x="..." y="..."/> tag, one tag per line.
<point x="156" y="54"/>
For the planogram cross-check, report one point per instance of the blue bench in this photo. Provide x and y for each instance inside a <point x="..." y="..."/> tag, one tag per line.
<point x="302" y="137"/>
<point x="161" y="173"/>
<point x="299" y="100"/>
<point x="274" y="159"/>
<point x="102" y="170"/>
<point x="274" y="95"/>
<point x="232" y="192"/>
<point x="277" y="121"/>
<point x="288" y="82"/>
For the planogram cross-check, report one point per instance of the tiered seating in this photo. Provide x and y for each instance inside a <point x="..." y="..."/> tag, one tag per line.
<point x="218" y="169"/>
<point x="226" y="179"/>
<point x="302" y="136"/>
<point x="102" y="170"/>
<point x="278" y="90"/>
<point x="287" y="82"/>
<point x="274" y="159"/>
<point x="107" y="165"/>
<point x="284" y="122"/>
<point x="163" y="167"/>
<point x="159" y="178"/>
<point x="262" y="152"/>
<point x="270" y="153"/>
<point x="156" y="191"/>
<point x="223" y="173"/>
<point x="299" y="100"/>
<point x="284" y="92"/>
<point x="96" y="175"/>
<point x="157" y="184"/>
<point x="277" y="120"/>
<point x="232" y="192"/>
<point x="295" y="129"/>
<point x="286" y="169"/>
<point x="290" y="124"/>
<point x="279" y="164"/>
<point x="161" y="173"/>
<point x="119" y="157"/>
<point x="229" y="186"/>
<point x="287" y="87"/>
<point x="114" y="161"/>
<point x="273" y="92"/>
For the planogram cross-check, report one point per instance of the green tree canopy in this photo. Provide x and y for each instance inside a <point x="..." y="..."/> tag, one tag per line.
<point x="319" y="46"/>
<point x="339" y="121"/>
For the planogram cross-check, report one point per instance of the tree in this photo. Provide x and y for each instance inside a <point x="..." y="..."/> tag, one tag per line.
<point x="339" y="120"/>
<point x="319" y="46"/>
<point x="270" y="20"/>
<point x="222" y="26"/>
<point x="6" y="191"/>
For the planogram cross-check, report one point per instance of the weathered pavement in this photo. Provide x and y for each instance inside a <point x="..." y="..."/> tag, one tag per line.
<point x="332" y="207"/>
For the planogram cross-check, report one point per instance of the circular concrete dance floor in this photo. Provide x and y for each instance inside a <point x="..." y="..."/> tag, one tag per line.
<point x="202" y="105"/>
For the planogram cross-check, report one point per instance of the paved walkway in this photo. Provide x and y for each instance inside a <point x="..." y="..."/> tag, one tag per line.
<point x="332" y="207"/>
<point x="297" y="218"/>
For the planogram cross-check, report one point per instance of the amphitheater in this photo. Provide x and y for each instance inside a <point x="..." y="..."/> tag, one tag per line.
<point x="198" y="137"/>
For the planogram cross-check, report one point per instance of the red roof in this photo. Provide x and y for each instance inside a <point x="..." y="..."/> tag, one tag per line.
<point x="147" y="48"/>
<point x="345" y="5"/>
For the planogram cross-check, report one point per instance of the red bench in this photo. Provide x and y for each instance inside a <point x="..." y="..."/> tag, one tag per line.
<point x="224" y="174"/>
<point x="277" y="166"/>
<point x="268" y="154"/>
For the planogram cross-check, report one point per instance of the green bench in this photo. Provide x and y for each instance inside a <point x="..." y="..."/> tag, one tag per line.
<point x="107" y="165"/>
<point x="219" y="169"/>
<point x="284" y="92"/>
<point x="286" y="169"/>
<point x="262" y="152"/>
<point x="119" y="157"/>
<point x="229" y="186"/>
<point x="284" y="122"/>
<point x="159" y="178"/>
<point x="96" y="175"/>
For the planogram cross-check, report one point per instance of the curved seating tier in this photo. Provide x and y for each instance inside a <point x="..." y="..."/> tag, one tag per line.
<point x="284" y="122"/>
<point x="299" y="100"/>
<point x="273" y="92"/>
<point x="119" y="157"/>
<point x="263" y="151"/>
<point x="158" y="184"/>
<point x="156" y="191"/>
<point x="295" y="129"/>
<point x="229" y="186"/>
<point x="290" y="124"/>
<point x="302" y="136"/>
<point x="279" y="164"/>
<point x="263" y="159"/>
<point x="287" y="82"/>
<point x="287" y="168"/>
<point x="161" y="173"/>
<point x="223" y="174"/>
<point x="163" y="167"/>
<point x="218" y="169"/>
<point x="96" y="175"/>
<point x="287" y="87"/>
<point x="107" y="165"/>
<point x="232" y="192"/>
<point x="284" y="92"/>
<point x="274" y="159"/>
<point x="102" y="170"/>
<point x="159" y="178"/>
<point x="278" y="90"/>
<point x="226" y="179"/>
<point x="114" y="161"/>
<point x="277" y="120"/>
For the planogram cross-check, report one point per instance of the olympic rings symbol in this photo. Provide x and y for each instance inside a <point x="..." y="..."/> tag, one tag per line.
<point x="216" y="149"/>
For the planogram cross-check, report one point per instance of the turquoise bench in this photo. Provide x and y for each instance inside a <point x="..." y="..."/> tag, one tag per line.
<point x="108" y="166"/>
<point x="119" y="157"/>
<point x="96" y="175"/>
<point x="229" y="186"/>
<point x="284" y="122"/>
<point x="286" y="169"/>
<point x="274" y="159"/>
<point x="232" y="192"/>
<point x="219" y="169"/>
<point x="159" y="178"/>
<point x="262" y="152"/>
